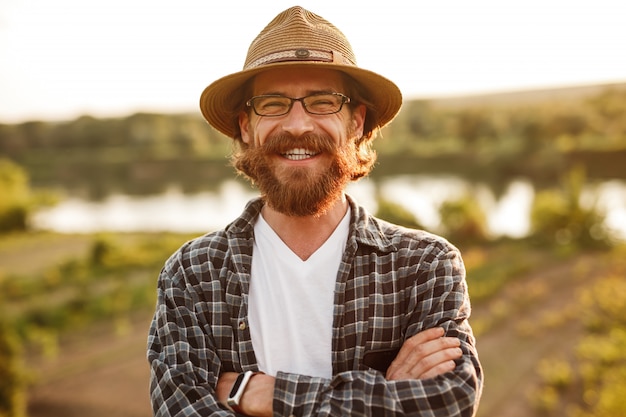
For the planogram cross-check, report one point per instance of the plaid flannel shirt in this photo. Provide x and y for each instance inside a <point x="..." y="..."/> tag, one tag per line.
<point x="392" y="283"/>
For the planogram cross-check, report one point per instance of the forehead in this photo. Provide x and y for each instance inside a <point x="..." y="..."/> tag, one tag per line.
<point x="295" y="82"/>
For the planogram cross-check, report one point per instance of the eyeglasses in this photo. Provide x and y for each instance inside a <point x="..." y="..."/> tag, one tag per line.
<point x="278" y="105"/>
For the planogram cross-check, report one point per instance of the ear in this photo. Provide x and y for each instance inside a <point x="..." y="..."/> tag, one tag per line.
<point x="244" y="127"/>
<point x="358" y="119"/>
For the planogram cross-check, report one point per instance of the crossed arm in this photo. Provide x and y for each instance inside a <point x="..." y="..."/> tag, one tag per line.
<point x="425" y="355"/>
<point x="192" y="347"/>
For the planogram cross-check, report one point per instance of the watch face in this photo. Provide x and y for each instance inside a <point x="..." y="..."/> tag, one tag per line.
<point x="236" y="385"/>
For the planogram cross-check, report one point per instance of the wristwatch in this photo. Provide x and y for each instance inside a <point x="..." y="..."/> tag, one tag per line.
<point x="234" y="398"/>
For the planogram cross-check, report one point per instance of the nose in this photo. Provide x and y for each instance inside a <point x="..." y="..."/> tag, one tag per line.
<point x="297" y="121"/>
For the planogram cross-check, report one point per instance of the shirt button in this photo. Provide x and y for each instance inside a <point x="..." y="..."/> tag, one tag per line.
<point x="242" y="325"/>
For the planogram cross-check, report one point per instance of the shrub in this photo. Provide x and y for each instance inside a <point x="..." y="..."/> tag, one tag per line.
<point x="555" y="372"/>
<point x="463" y="220"/>
<point x="558" y="216"/>
<point x="593" y="382"/>
<point x="395" y="213"/>
<point x="15" y="196"/>
<point x="12" y="380"/>
<point x="17" y="202"/>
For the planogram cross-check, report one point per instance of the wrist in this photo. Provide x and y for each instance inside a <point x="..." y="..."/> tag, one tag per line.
<point x="238" y="390"/>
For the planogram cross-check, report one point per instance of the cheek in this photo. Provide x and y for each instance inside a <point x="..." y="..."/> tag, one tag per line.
<point x="252" y="129"/>
<point x="259" y="130"/>
<point x="345" y="133"/>
<point x="256" y="136"/>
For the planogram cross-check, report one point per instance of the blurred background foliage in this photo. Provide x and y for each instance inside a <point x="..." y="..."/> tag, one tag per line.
<point x="489" y="138"/>
<point x="560" y="144"/>
<point x="18" y="199"/>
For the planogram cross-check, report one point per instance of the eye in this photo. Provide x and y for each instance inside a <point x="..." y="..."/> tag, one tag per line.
<point x="272" y="104"/>
<point x="322" y="102"/>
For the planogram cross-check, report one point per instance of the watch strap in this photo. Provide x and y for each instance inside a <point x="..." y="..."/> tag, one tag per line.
<point x="238" y="390"/>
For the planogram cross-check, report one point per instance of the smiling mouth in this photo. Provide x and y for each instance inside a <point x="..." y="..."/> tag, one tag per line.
<point x="299" y="154"/>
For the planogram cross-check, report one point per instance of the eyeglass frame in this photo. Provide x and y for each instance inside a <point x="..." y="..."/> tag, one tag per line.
<point x="344" y="100"/>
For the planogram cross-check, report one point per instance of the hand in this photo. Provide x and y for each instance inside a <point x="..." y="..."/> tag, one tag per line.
<point x="425" y="355"/>
<point x="257" y="399"/>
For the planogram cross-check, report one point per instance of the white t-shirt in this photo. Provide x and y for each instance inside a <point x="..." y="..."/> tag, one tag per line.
<point x="291" y="302"/>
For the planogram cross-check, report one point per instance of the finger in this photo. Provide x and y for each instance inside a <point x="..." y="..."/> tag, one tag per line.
<point x="437" y="363"/>
<point x="416" y="352"/>
<point x="419" y="359"/>
<point x="419" y="339"/>
<point x="440" y="369"/>
<point x="409" y="353"/>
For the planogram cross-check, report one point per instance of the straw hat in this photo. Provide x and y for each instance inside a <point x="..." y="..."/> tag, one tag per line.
<point x="296" y="38"/>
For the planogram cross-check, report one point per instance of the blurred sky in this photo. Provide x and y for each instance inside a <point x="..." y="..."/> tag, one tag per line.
<point x="63" y="58"/>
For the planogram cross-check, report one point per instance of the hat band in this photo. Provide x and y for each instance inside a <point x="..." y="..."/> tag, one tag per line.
<point x="300" y="54"/>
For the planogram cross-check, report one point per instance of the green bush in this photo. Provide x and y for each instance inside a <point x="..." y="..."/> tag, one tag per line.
<point x="395" y="213"/>
<point x="593" y="383"/>
<point x="15" y="196"/>
<point x="558" y="216"/>
<point x="12" y="380"/>
<point x="18" y="201"/>
<point x="463" y="220"/>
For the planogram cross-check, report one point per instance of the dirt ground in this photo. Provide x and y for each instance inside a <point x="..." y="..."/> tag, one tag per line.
<point x="97" y="375"/>
<point x="530" y="333"/>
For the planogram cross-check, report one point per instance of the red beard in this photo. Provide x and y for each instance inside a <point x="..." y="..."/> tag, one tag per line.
<point x="303" y="192"/>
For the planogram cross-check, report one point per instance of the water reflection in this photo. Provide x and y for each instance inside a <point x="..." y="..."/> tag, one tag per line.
<point x="423" y="195"/>
<point x="174" y="210"/>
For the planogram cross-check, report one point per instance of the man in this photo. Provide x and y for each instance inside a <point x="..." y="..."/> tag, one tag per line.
<point x="307" y="305"/>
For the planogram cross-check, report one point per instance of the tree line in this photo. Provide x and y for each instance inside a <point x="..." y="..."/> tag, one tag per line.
<point x="585" y="123"/>
<point x="423" y="128"/>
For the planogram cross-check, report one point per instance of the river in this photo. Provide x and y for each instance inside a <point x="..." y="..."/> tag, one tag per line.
<point x="174" y="210"/>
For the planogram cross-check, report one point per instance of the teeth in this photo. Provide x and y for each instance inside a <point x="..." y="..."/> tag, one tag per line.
<point x="299" y="154"/>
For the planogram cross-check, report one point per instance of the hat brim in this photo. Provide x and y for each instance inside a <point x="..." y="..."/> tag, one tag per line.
<point x="217" y="100"/>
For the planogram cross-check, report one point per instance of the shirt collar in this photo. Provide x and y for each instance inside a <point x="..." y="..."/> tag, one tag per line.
<point x="364" y="228"/>
<point x="367" y="229"/>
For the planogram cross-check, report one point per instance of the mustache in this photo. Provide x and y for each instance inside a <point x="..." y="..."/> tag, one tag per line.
<point x="283" y="142"/>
